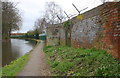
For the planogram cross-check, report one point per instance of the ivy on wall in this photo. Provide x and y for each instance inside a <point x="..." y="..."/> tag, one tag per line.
<point x="67" y="24"/>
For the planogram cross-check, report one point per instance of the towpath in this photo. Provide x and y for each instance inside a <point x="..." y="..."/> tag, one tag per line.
<point x="36" y="65"/>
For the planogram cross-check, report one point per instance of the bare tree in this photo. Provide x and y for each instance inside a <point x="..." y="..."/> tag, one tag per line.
<point x="11" y="19"/>
<point x="52" y="11"/>
<point x="40" y="25"/>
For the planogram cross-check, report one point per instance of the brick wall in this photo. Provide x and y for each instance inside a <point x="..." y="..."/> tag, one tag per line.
<point x="99" y="27"/>
<point x="110" y="13"/>
<point x="53" y="35"/>
<point x="62" y="36"/>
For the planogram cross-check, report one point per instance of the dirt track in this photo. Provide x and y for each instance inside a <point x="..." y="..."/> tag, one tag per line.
<point x="36" y="65"/>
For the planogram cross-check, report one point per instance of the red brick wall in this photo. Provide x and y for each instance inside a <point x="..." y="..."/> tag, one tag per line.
<point x="110" y="14"/>
<point x="99" y="27"/>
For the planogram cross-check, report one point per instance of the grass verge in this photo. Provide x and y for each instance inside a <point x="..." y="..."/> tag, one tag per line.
<point x="67" y="61"/>
<point x="15" y="66"/>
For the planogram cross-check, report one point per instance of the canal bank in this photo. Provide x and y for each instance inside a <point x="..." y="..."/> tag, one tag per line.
<point x="16" y="66"/>
<point x="37" y="63"/>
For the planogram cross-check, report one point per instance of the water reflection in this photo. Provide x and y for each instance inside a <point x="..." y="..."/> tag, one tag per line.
<point x="14" y="48"/>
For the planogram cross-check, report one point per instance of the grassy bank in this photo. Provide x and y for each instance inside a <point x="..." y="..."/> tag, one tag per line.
<point x="15" y="66"/>
<point x="66" y="61"/>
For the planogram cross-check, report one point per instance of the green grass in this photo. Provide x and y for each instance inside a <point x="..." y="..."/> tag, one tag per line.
<point x="67" y="61"/>
<point x="15" y="66"/>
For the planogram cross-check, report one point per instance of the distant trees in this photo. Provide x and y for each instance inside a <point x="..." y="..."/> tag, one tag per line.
<point x="40" y="25"/>
<point x="32" y="34"/>
<point x="11" y="19"/>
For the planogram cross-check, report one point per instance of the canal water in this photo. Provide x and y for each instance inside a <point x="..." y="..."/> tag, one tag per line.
<point x="14" y="48"/>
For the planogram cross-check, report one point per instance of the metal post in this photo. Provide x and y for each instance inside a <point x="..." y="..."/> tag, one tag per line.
<point x="76" y="8"/>
<point x="66" y="15"/>
<point x="59" y="18"/>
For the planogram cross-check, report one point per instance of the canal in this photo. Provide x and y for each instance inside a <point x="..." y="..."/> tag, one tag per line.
<point x="14" y="48"/>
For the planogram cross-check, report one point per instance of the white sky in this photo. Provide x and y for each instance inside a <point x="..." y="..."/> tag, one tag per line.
<point x="33" y="9"/>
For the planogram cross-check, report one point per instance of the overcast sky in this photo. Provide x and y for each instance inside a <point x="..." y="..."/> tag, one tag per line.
<point x="33" y="9"/>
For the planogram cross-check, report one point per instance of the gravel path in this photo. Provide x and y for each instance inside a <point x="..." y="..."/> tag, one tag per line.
<point x="36" y="65"/>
